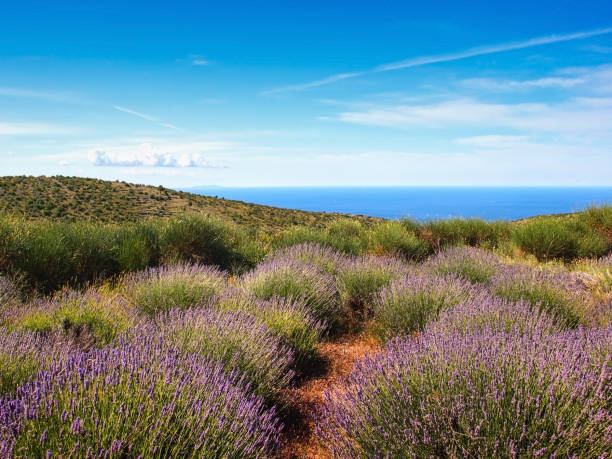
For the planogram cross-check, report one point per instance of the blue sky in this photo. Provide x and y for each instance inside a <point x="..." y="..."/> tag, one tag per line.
<point x="308" y="93"/>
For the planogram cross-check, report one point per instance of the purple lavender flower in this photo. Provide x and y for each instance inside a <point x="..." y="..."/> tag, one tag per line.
<point x="142" y="399"/>
<point x="295" y="280"/>
<point x="481" y="394"/>
<point x="88" y="318"/>
<point x="324" y="257"/>
<point x="237" y="340"/>
<point x="472" y="264"/>
<point x="554" y="292"/>
<point x="361" y="278"/>
<point x="291" y="320"/>
<point x="407" y="304"/>
<point x="484" y="311"/>
<point x="9" y="293"/>
<point x="177" y="286"/>
<point x="23" y="354"/>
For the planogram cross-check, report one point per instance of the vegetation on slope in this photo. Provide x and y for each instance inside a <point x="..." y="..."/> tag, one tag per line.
<point x="70" y="199"/>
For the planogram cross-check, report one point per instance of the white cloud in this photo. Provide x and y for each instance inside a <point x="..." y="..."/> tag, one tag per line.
<point x="64" y="162"/>
<point x="149" y="156"/>
<point x="447" y="57"/>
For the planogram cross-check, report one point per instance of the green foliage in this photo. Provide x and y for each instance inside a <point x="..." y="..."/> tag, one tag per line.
<point x="50" y="255"/>
<point x="547" y="240"/>
<point x="395" y="238"/>
<point x="346" y="235"/>
<point x="238" y="341"/>
<point x="580" y="235"/>
<point x="70" y="199"/>
<point x="359" y="282"/>
<point x="202" y="239"/>
<point x="473" y="232"/>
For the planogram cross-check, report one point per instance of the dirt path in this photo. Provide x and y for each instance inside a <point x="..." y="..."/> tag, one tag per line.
<point x="337" y="360"/>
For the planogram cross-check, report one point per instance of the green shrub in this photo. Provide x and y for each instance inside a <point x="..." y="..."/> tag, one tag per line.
<point x="547" y="240"/>
<point x="137" y="246"/>
<point x="457" y="231"/>
<point x="360" y="280"/>
<point x="201" y="239"/>
<point x="346" y="235"/>
<point x="392" y="238"/>
<point x="553" y="293"/>
<point x="298" y="235"/>
<point x="599" y="220"/>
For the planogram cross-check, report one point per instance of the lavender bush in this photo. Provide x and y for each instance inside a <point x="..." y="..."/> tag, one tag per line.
<point x="136" y="400"/>
<point x="177" y="286"/>
<point x="472" y="264"/>
<point x="9" y="294"/>
<point x="361" y="278"/>
<point x="407" y="304"/>
<point x="22" y="354"/>
<point x="324" y="257"/>
<point x="484" y="394"/>
<point x="483" y="311"/>
<point x="554" y="292"/>
<point x="238" y="341"/>
<point x="89" y="318"/>
<point x="297" y="280"/>
<point x="292" y="320"/>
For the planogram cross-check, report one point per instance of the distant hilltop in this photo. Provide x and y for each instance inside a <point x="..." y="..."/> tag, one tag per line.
<point x="63" y="198"/>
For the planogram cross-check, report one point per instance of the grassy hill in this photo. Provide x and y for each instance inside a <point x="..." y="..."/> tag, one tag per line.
<point x="72" y="199"/>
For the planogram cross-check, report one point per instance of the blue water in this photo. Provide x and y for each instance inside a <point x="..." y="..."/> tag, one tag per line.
<point x="423" y="203"/>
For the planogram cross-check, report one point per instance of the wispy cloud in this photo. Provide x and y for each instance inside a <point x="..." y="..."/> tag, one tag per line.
<point x="509" y="85"/>
<point x="36" y="129"/>
<point x="149" y="156"/>
<point x="312" y="84"/>
<point x="447" y="57"/>
<point x="586" y="115"/>
<point x="36" y="94"/>
<point x="494" y="141"/>
<point x="144" y="116"/>
<point x="593" y="79"/>
<point x="198" y="59"/>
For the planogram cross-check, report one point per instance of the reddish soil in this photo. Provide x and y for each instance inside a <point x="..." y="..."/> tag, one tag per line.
<point x="337" y="360"/>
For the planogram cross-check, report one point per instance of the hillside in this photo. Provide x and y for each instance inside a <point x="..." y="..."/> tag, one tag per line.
<point x="73" y="198"/>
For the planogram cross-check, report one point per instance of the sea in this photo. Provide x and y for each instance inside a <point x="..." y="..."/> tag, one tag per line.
<point x="423" y="203"/>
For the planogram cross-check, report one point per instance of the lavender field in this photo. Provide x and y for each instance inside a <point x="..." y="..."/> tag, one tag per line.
<point x="474" y="354"/>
